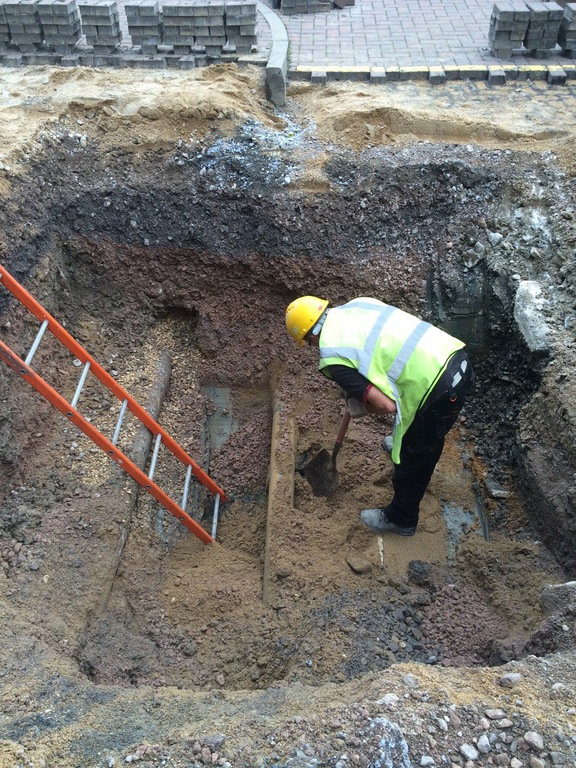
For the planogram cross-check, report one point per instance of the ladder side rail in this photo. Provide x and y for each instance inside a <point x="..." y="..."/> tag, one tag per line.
<point x="41" y="386"/>
<point x="97" y="370"/>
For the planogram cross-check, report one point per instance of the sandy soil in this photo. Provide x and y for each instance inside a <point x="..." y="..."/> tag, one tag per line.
<point x="120" y="628"/>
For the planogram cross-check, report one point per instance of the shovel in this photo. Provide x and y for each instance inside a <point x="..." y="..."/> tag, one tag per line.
<point x="321" y="471"/>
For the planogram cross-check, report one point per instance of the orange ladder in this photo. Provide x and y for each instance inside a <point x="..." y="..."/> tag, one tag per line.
<point x="25" y="371"/>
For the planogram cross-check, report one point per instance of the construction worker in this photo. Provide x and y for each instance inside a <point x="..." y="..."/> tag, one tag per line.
<point x="390" y="362"/>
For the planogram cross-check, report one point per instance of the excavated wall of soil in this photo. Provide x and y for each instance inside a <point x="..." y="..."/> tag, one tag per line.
<point x="194" y="247"/>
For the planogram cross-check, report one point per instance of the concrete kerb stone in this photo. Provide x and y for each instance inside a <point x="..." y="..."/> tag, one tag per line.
<point x="277" y="65"/>
<point x="556" y="76"/>
<point x="494" y="74"/>
<point x="436" y="76"/>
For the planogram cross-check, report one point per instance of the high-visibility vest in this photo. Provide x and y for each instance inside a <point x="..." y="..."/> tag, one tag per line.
<point x="400" y="354"/>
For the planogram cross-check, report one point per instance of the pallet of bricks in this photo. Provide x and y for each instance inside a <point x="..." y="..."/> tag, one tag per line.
<point x="567" y="34"/>
<point x="532" y="28"/>
<point x="23" y="25"/>
<point x="291" y="7"/>
<point x="145" y="25"/>
<point x="101" y="26"/>
<point x="4" y="31"/>
<point x="200" y="31"/>
<point x="240" y="25"/>
<point x="37" y="27"/>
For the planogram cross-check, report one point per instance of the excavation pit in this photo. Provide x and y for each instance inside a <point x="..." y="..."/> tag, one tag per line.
<point x="191" y="248"/>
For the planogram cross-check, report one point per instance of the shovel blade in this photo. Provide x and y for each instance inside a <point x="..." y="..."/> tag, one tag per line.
<point x="321" y="473"/>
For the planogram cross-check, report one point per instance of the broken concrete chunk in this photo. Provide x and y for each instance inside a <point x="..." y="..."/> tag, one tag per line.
<point x="495" y="238"/>
<point x="359" y="565"/>
<point x="510" y="680"/>
<point x="528" y="305"/>
<point x="555" y="597"/>
<point x="496" y="490"/>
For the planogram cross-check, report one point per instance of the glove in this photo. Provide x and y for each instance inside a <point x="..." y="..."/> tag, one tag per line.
<point x="356" y="409"/>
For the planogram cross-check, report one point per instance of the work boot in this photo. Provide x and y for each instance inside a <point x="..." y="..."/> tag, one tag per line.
<point x="377" y="520"/>
<point x="387" y="444"/>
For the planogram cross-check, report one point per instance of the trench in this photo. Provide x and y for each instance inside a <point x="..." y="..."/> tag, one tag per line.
<point x="201" y="269"/>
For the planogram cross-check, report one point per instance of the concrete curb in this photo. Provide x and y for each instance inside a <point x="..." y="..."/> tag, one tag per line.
<point x="493" y="74"/>
<point x="277" y="65"/>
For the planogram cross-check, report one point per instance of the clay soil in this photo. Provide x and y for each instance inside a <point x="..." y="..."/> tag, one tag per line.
<point x="167" y="220"/>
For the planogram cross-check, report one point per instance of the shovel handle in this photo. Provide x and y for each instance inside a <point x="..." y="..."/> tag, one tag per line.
<point x="341" y="435"/>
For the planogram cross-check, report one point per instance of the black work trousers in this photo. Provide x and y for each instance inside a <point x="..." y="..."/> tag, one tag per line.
<point x="423" y="444"/>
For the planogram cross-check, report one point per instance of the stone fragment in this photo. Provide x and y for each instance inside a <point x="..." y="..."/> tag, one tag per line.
<point x="495" y="714"/>
<point x="534" y="740"/>
<point x="469" y="752"/>
<point x="510" y="680"/>
<point x="528" y="305"/>
<point x="554" y="597"/>
<point x="359" y="565"/>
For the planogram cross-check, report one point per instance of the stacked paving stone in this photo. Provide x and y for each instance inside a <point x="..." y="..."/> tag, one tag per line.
<point x="567" y="34"/>
<point x="61" y="25"/>
<point x="210" y="29"/>
<point x="508" y="27"/>
<point x="290" y="7"/>
<point x="101" y="25"/>
<point x="4" y="31"/>
<point x="240" y="25"/>
<point x="145" y="25"/>
<point x="543" y="28"/>
<point x="212" y="36"/>
<point x="179" y="27"/>
<point x="24" y="25"/>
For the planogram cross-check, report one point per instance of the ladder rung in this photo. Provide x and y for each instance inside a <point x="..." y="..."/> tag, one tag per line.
<point x="119" y="422"/>
<point x="80" y="384"/>
<point x="36" y="344"/>
<point x="155" y="456"/>
<point x="215" y="517"/>
<point x="186" y="486"/>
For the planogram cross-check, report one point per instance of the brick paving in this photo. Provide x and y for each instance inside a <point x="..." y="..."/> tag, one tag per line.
<point x="263" y="32"/>
<point x="384" y="33"/>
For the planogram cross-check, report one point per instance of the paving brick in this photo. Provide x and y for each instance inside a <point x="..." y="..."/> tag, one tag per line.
<point x="496" y="76"/>
<point x="41" y="58"/>
<point x="319" y="77"/>
<point x="70" y="60"/>
<point x="144" y="62"/>
<point x="436" y="76"/>
<point x="187" y="62"/>
<point x="473" y="72"/>
<point x="532" y="72"/>
<point x="12" y="59"/>
<point x="556" y="76"/>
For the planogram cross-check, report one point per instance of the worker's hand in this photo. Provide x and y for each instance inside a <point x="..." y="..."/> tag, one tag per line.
<point x="356" y="409"/>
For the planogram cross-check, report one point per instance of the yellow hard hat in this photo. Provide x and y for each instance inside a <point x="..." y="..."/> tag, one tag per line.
<point x="302" y="315"/>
